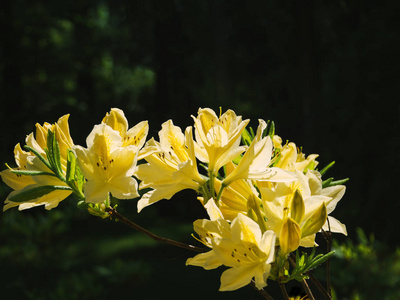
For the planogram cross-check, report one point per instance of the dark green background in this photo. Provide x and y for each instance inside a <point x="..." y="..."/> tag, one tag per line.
<point x="325" y="71"/>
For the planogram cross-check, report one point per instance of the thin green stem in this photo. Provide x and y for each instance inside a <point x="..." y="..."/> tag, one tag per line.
<point x="220" y="192"/>
<point x="205" y="193"/>
<point x="77" y="192"/>
<point x="107" y="202"/>
<point x="211" y="183"/>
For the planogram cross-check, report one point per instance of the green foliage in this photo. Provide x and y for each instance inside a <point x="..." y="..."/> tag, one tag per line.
<point x="30" y="193"/>
<point x="53" y="154"/>
<point x="247" y="136"/>
<point x="306" y="262"/>
<point x="330" y="182"/>
<point x="367" y="269"/>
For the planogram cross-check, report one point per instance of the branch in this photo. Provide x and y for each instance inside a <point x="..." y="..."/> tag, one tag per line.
<point x="262" y="292"/>
<point x="319" y="285"/>
<point x="283" y="290"/>
<point x="117" y="215"/>
<point x="113" y="212"/>
<point x="304" y="282"/>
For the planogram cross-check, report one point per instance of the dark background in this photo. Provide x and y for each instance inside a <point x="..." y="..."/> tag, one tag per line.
<point x="325" y="71"/>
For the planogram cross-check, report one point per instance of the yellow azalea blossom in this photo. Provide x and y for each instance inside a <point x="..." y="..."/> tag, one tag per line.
<point x="171" y="165"/>
<point x="335" y="193"/>
<point x="218" y="139"/>
<point x="29" y="162"/>
<point x="255" y="162"/>
<point x="290" y="158"/>
<point x="235" y="197"/>
<point x="300" y="205"/>
<point x="107" y="165"/>
<point x="135" y="136"/>
<point x="241" y="246"/>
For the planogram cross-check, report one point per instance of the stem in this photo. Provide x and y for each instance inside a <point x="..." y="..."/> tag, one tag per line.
<point x="283" y="290"/>
<point x="206" y="196"/>
<point x="304" y="282"/>
<point x="211" y="176"/>
<point x="113" y="212"/>
<point x="108" y="200"/>
<point x="319" y="285"/>
<point x="262" y="292"/>
<point x="307" y="289"/>
<point x="328" y="238"/>
<point x="77" y="192"/>
<point x="220" y="192"/>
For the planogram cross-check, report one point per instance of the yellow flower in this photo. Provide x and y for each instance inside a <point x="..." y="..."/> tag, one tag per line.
<point x="107" y="165"/>
<point x="290" y="158"/>
<point x="135" y="136"/>
<point x="26" y="161"/>
<point x="218" y="139"/>
<point x="300" y="209"/>
<point x="334" y="193"/>
<point x="171" y="165"/>
<point x="255" y="162"/>
<point x="241" y="246"/>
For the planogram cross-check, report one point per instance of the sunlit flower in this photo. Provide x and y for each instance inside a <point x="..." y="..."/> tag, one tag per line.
<point x="297" y="211"/>
<point x="171" y="165"/>
<point x="241" y="246"/>
<point x="26" y="161"/>
<point x="218" y="139"/>
<point x="291" y="158"/>
<point x="256" y="160"/>
<point x="135" y="136"/>
<point x="107" y="165"/>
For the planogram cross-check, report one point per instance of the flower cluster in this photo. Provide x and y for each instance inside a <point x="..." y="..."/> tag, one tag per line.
<point x="264" y="199"/>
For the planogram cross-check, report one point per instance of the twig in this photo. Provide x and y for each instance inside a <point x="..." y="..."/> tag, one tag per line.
<point x="262" y="292"/>
<point x="319" y="285"/>
<point x="307" y="289"/>
<point x="328" y="238"/>
<point x="113" y="212"/>
<point x="283" y="290"/>
<point x="304" y="282"/>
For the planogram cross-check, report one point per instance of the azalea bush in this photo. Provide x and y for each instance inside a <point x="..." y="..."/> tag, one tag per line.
<point x="265" y="199"/>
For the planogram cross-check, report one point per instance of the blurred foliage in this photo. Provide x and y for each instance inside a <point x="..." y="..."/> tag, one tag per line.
<point x="365" y="269"/>
<point x="324" y="71"/>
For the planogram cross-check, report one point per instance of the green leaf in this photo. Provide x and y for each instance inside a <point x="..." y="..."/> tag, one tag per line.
<point x="305" y="263"/>
<point x="247" y="138"/>
<point x="319" y="259"/>
<point x="80" y="179"/>
<point x="323" y="171"/>
<point x="327" y="182"/>
<point x="337" y="182"/>
<point x="31" y="173"/>
<point x="53" y="152"/>
<point x="270" y="130"/>
<point x="28" y="194"/>
<point x="71" y="167"/>
<point x="37" y="154"/>
<point x="276" y="157"/>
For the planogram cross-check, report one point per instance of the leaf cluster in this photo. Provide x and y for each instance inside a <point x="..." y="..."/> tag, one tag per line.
<point x="305" y="263"/>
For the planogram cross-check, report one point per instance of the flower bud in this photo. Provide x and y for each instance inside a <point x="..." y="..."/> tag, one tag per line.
<point x="290" y="236"/>
<point x="315" y="222"/>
